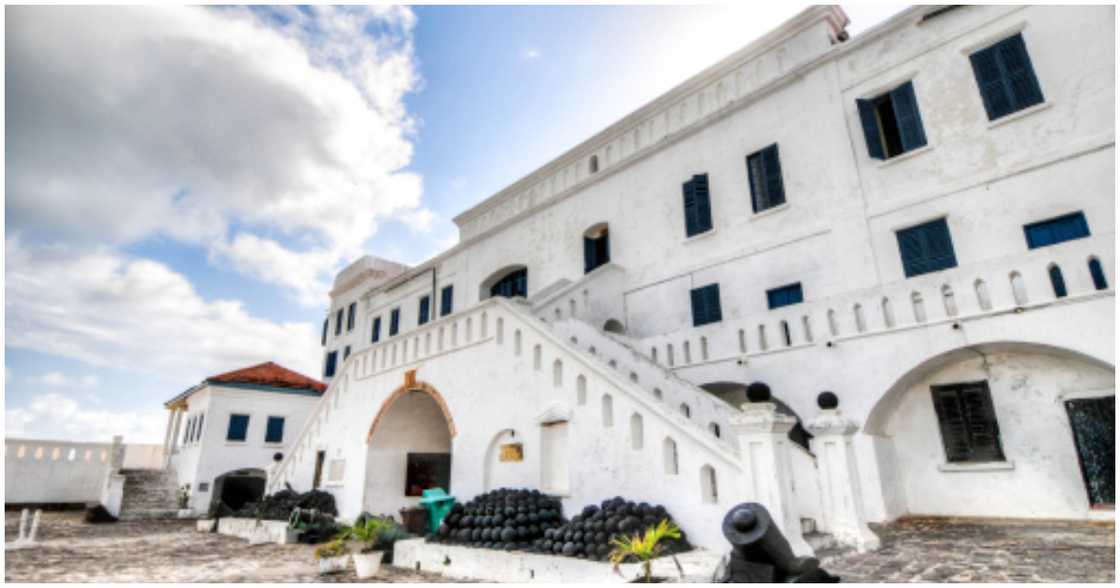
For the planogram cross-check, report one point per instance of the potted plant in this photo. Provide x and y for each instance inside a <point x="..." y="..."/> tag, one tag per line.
<point x="332" y="556"/>
<point x="644" y="549"/>
<point x="369" y="540"/>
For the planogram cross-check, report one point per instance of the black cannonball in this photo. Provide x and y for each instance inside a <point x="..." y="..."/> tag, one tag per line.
<point x="569" y="549"/>
<point x="557" y="547"/>
<point x="508" y="534"/>
<point x="758" y="392"/>
<point x="827" y="400"/>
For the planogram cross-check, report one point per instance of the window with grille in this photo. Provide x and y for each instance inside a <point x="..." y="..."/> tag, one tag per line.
<point x="969" y="431"/>
<point x="926" y="248"/>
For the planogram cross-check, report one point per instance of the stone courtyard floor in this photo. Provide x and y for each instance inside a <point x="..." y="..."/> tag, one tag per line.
<point x="912" y="551"/>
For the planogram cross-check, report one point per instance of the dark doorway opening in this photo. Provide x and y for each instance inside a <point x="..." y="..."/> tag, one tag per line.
<point x="235" y="489"/>
<point x="427" y="470"/>
<point x="320" y="457"/>
<point x="1094" y="433"/>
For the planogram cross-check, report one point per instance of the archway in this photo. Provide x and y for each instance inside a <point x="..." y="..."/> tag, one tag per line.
<point x="614" y="326"/>
<point x="510" y="282"/>
<point x="409" y="449"/>
<point x="233" y="490"/>
<point x="735" y="394"/>
<point x="961" y="431"/>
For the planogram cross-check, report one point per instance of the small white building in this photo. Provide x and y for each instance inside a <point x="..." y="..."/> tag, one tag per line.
<point x="225" y="433"/>
<point x="919" y="219"/>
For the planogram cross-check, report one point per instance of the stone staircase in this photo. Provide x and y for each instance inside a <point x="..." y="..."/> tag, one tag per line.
<point x="149" y="494"/>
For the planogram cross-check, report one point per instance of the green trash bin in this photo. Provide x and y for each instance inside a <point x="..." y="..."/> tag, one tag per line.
<point x="438" y="503"/>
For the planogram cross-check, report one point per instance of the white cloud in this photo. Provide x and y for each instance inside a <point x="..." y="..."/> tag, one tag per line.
<point x="56" y="416"/>
<point x="531" y="54"/>
<point x="107" y="309"/>
<point x="61" y="380"/>
<point x="213" y="126"/>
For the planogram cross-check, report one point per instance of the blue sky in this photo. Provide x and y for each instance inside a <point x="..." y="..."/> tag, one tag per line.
<point x="172" y="213"/>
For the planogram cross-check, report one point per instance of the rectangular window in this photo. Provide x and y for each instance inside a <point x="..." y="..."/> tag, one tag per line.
<point x="238" y="427"/>
<point x="784" y="296"/>
<point x="596" y="250"/>
<point x="376" y="336"/>
<point x="891" y="122"/>
<point x="445" y="299"/>
<point x="967" y="419"/>
<point x="705" y="305"/>
<point x="426" y="470"/>
<point x="1006" y="77"/>
<point x="394" y="321"/>
<point x="764" y="172"/>
<point x="353" y="310"/>
<point x="330" y="364"/>
<point x="926" y="248"/>
<point x="1056" y="230"/>
<point x="338" y="323"/>
<point x="346" y="353"/>
<point x="198" y="427"/>
<point x="425" y="304"/>
<point x="326" y="322"/>
<point x="274" y="433"/>
<point x="697" y="206"/>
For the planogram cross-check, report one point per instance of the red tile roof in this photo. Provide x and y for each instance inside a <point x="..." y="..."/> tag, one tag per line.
<point x="269" y="374"/>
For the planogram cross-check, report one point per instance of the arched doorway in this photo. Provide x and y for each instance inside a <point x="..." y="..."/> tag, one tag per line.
<point x="735" y="394"/>
<point x="233" y="490"/>
<point x="964" y="430"/>
<point x="614" y="326"/>
<point x="596" y="247"/>
<point x="510" y="282"/>
<point x="409" y="449"/>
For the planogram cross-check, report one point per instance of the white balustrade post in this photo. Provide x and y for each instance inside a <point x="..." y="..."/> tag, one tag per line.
<point x="767" y="464"/>
<point x="843" y="515"/>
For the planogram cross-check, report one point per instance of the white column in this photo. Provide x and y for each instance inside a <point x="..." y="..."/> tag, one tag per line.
<point x="175" y="432"/>
<point x="767" y="466"/>
<point x="167" y="437"/>
<point x="842" y="500"/>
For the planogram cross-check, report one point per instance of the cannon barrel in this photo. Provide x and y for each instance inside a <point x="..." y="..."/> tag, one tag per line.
<point x="760" y="553"/>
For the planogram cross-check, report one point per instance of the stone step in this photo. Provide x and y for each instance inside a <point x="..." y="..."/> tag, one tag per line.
<point x="148" y="514"/>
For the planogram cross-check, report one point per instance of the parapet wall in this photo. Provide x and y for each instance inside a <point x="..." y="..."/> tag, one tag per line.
<point x="45" y="472"/>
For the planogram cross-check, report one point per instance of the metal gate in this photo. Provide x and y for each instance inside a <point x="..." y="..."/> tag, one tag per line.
<point x="1094" y="432"/>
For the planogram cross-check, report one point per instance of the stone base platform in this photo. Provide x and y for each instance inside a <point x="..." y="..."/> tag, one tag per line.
<point x="255" y="531"/>
<point x="512" y="566"/>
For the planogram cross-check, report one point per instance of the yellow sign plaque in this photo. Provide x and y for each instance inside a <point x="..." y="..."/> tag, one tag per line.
<point x="511" y="452"/>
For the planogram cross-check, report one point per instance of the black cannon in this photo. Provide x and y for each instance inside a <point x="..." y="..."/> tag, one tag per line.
<point x="761" y="554"/>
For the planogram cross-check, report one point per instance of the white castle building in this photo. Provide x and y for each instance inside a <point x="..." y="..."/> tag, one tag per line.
<point x="918" y="219"/>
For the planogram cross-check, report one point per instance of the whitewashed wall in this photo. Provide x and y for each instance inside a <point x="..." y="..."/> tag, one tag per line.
<point x="45" y="472"/>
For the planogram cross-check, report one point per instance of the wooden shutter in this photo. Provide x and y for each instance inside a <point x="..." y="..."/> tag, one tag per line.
<point x="870" y="129"/>
<point x="1021" y="82"/>
<point x="775" y="191"/>
<point x="588" y="254"/>
<point x="425" y="304"/>
<point x="703" y="203"/>
<point x="338" y="323"/>
<point x="756" y="177"/>
<point x="989" y="79"/>
<point x="699" y="309"/>
<point x="909" y="119"/>
<point x="926" y="248"/>
<point x="394" y="321"/>
<point x="690" y="221"/>
<point x="445" y="300"/>
<point x="951" y="418"/>
<point x="711" y="303"/>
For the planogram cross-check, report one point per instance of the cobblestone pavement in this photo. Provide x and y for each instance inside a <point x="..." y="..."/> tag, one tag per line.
<point x="940" y="550"/>
<point x="163" y="551"/>
<point x="917" y="550"/>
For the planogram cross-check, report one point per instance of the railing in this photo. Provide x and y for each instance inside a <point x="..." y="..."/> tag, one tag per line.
<point x="999" y="286"/>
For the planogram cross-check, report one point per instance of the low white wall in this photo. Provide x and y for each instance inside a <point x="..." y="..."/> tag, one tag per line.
<point x="256" y="531"/>
<point x="45" y="472"/>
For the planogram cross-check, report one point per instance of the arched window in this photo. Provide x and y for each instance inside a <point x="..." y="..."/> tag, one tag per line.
<point x="593" y="164"/>
<point x="762" y="337"/>
<point x="686" y="410"/>
<point x="787" y="337"/>
<point x="516" y="341"/>
<point x="833" y="328"/>
<point x="614" y="326"/>
<point x="556" y="313"/>
<point x="636" y="431"/>
<point x="1018" y="289"/>
<point x="807" y="328"/>
<point x="657" y="393"/>
<point x="888" y="313"/>
<point x="1097" y="273"/>
<point x="499" y="330"/>
<point x="634" y="377"/>
<point x="742" y="341"/>
<point x="653" y="354"/>
<point x="572" y="307"/>
<point x="581" y="390"/>
<point x="669" y="455"/>
<point x="709" y="488"/>
<point x="608" y="410"/>
<point x="713" y="428"/>
<point x="919" y="307"/>
<point x="687" y="353"/>
<point x="557" y="373"/>
<point x="703" y="348"/>
<point x="508" y="282"/>
<point x="669" y="354"/>
<point x="857" y="312"/>
<point x="1057" y="281"/>
<point x="949" y="300"/>
<point x="982" y="297"/>
<point x="596" y="247"/>
<point x="537" y="356"/>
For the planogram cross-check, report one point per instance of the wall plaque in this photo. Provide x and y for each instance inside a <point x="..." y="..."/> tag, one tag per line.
<point x="511" y="452"/>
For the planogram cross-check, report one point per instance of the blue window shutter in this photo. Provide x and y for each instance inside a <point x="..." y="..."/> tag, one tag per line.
<point x="1097" y="273"/>
<point x="784" y="296"/>
<point x="705" y="305"/>
<point x="690" y="223"/>
<point x="1056" y="230"/>
<point x="346" y="353"/>
<point x="715" y="313"/>
<point x="238" y="427"/>
<point x="376" y="330"/>
<point x="698" y="312"/>
<point x="394" y="321"/>
<point x="445" y="296"/>
<point x="870" y="129"/>
<point x="329" y="367"/>
<point x="588" y="254"/>
<point x="703" y="203"/>
<point x="425" y="302"/>
<point x="909" y="119"/>
<point x="1020" y="79"/>
<point x="1057" y="281"/>
<point x="274" y="432"/>
<point x="989" y="78"/>
<point x="926" y="248"/>
<point x="338" y="323"/>
<point x="775" y="190"/>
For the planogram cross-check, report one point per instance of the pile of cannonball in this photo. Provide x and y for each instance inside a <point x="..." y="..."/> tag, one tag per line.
<point x="589" y="534"/>
<point x="505" y="519"/>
